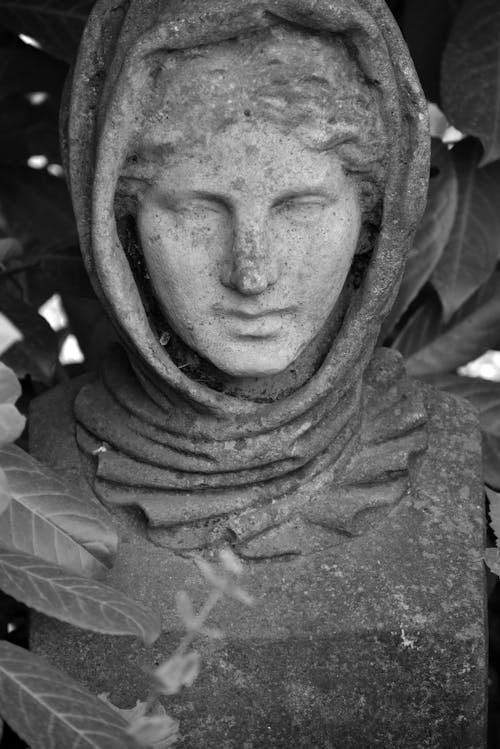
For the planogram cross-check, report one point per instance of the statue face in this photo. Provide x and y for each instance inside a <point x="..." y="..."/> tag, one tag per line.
<point x="248" y="241"/>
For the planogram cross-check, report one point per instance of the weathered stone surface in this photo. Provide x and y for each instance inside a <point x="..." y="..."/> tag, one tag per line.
<point x="378" y="643"/>
<point x="247" y="176"/>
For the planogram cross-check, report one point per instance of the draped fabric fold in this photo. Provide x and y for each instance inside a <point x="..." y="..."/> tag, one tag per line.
<point x="311" y="468"/>
<point x="322" y="476"/>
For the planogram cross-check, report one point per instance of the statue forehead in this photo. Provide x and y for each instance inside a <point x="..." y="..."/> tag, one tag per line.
<point x="282" y="74"/>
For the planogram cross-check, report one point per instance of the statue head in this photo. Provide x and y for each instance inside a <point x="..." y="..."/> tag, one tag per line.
<point x="247" y="177"/>
<point x="253" y="181"/>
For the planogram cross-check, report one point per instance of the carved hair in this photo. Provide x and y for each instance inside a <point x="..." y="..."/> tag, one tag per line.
<point x="303" y="82"/>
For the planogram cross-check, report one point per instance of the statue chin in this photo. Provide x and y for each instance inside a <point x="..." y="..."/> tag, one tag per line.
<point x="258" y="370"/>
<point x="245" y="361"/>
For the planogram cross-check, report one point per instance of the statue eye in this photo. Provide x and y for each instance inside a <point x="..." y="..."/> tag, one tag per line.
<point x="203" y="206"/>
<point x="304" y="203"/>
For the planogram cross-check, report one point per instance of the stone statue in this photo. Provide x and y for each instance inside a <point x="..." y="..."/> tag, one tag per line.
<point x="247" y="176"/>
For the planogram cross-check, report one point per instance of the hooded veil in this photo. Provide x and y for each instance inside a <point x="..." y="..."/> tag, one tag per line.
<point x="313" y="467"/>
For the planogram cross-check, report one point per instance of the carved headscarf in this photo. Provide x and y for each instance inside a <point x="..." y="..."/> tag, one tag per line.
<point x="206" y="467"/>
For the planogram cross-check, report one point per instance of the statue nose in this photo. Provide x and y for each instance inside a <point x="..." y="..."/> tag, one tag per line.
<point x="250" y="267"/>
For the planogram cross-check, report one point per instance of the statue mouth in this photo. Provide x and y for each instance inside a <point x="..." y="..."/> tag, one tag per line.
<point x="243" y="314"/>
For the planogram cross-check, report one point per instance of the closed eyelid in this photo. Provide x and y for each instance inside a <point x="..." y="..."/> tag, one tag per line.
<point x="321" y="199"/>
<point x="178" y="201"/>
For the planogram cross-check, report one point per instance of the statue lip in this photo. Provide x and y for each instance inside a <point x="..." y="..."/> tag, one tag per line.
<point x="247" y="315"/>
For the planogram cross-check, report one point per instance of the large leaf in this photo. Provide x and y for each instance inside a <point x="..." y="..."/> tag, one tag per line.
<point x="9" y="334"/>
<point x="474" y="245"/>
<point x="49" y="520"/>
<point x="471" y="74"/>
<point x="27" y="130"/>
<point x="11" y="421"/>
<point x="426" y="25"/>
<point x="49" y="709"/>
<point x="473" y="330"/>
<point x="433" y="232"/>
<point x="4" y="493"/>
<point x="485" y="396"/>
<point x="61" y="271"/>
<point x="423" y="326"/>
<point x="28" y="126"/>
<point x="36" y="206"/>
<point x="395" y="6"/>
<point x="37" y="354"/>
<point x="26" y="69"/>
<point x="10" y="389"/>
<point x="84" y="603"/>
<point x="56" y="24"/>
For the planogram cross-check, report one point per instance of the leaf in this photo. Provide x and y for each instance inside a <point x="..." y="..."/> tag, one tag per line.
<point x="433" y="232"/>
<point x="10" y="248"/>
<point x="36" y="206"/>
<point x="155" y="731"/>
<point x="150" y="725"/>
<point x="10" y="389"/>
<point x="471" y="75"/>
<point x="60" y="270"/>
<point x="492" y="559"/>
<point x="9" y="334"/>
<point x="92" y="328"/>
<point x="88" y="604"/>
<point x="128" y="713"/>
<point x="49" y="709"/>
<point x="185" y="610"/>
<point x="191" y="621"/>
<point x="26" y="69"/>
<point x="474" y="329"/>
<point x="426" y="25"/>
<point x="37" y="354"/>
<point x="473" y="249"/>
<point x="179" y="671"/>
<point x="494" y="508"/>
<point x="4" y="492"/>
<point x="485" y="396"/>
<point x="222" y="583"/>
<point x="11" y="422"/>
<point x="51" y="521"/>
<point x="56" y="24"/>
<point x="231" y="563"/>
<point x="26" y="130"/>
<point x="422" y="327"/>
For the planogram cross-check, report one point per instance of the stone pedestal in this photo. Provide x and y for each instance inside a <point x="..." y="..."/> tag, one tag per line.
<point x="378" y="642"/>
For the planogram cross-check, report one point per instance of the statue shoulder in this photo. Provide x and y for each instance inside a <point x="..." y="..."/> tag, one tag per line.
<point x="434" y="426"/>
<point x="52" y="429"/>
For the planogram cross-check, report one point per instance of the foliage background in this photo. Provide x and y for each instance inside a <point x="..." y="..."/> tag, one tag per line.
<point x="448" y="311"/>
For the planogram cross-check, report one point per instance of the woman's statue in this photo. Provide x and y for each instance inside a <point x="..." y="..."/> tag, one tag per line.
<point x="247" y="176"/>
